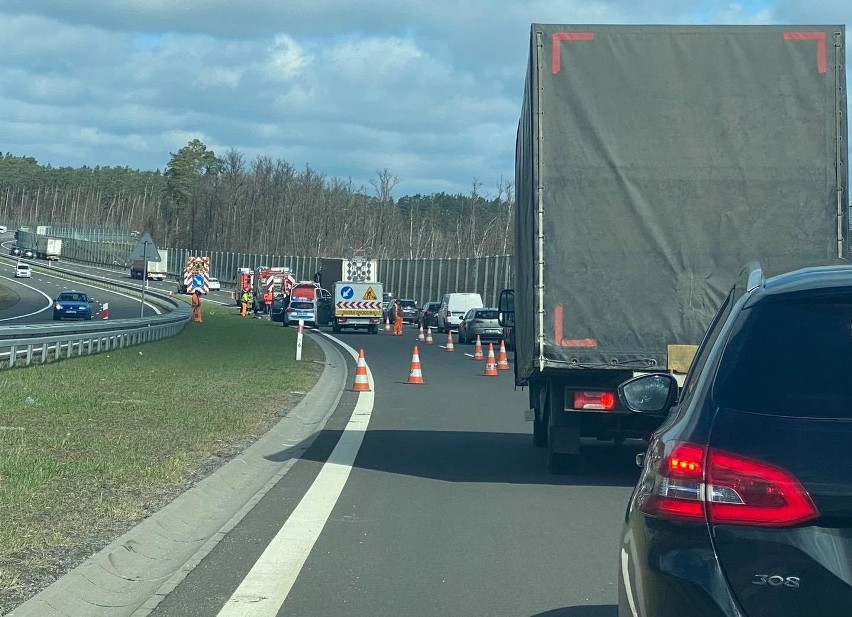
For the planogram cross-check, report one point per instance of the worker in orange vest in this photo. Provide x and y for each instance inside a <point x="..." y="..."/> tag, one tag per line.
<point x="397" y="318"/>
<point x="196" y="306"/>
<point x="267" y="303"/>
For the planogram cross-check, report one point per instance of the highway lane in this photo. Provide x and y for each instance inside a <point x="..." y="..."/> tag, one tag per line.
<point x="35" y="295"/>
<point x="448" y="509"/>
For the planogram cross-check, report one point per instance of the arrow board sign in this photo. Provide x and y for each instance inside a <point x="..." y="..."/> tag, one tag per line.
<point x="146" y="249"/>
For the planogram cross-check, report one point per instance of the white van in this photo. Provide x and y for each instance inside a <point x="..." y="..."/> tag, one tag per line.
<point x="454" y="306"/>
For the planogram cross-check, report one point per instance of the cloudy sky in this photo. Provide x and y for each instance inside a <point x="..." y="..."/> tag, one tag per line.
<point x="428" y="89"/>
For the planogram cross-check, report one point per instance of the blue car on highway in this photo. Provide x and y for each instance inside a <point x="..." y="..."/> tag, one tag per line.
<point x="73" y="305"/>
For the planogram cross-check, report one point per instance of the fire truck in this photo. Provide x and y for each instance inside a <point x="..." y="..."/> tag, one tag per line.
<point x="278" y="280"/>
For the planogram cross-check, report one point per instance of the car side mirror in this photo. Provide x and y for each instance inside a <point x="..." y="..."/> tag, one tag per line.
<point x="654" y="393"/>
<point x="506" y="308"/>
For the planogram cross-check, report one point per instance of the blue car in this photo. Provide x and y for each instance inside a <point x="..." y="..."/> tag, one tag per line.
<point x="73" y="305"/>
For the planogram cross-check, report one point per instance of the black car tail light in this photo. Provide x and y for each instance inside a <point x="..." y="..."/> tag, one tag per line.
<point x="692" y="482"/>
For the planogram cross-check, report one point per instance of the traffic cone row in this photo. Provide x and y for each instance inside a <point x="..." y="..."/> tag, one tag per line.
<point x="490" y="362"/>
<point x="415" y="375"/>
<point x="421" y="337"/>
<point x="362" y="383"/>
<point x="429" y="340"/>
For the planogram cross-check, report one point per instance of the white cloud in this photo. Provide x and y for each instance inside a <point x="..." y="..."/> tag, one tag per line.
<point x="429" y="90"/>
<point x="287" y="59"/>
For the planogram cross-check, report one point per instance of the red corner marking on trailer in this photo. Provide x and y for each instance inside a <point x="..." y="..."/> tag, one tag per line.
<point x="568" y="342"/>
<point x="819" y="37"/>
<point x="558" y="37"/>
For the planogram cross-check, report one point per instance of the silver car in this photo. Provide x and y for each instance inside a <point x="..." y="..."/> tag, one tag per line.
<point x="480" y="322"/>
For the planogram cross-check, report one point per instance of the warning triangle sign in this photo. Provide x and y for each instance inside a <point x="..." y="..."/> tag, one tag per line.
<point x="370" y="294"/>
<point x="146" y="249"/>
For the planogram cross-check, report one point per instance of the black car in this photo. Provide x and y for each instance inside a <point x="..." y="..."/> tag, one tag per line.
<point x="14" y="251"/>
<point x="744" y="503"/>
<point x="409" y="311"/>
<point x="427" y="316"/>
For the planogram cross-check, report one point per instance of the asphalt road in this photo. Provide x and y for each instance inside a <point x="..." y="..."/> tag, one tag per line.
<point x="448" y="509"/>
<point x="36" y="294"/>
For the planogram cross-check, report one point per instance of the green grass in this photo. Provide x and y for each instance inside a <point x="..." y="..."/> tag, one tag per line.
<point x="91" y="445"/>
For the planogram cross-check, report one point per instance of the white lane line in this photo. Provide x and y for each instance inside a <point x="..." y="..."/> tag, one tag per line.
<point x="265" y="588"/>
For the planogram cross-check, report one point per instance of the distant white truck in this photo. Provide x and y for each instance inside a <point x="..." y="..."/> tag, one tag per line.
<point x="157" y="270"/>
<point x="48" y="248"/>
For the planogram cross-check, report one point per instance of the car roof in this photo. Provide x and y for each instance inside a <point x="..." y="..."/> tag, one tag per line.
<point x="811" y="279"/>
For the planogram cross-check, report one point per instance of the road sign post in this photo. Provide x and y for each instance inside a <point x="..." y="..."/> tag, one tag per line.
<point x="299" y="340"/>
<point x="145" y="247"/>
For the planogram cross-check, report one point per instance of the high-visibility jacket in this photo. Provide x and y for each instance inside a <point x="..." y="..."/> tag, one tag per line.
<point x="267" y="298"/>
<point x="246" y="297"/>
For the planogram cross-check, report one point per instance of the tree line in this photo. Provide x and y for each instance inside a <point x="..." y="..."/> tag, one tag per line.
<point x="206" y="202"/>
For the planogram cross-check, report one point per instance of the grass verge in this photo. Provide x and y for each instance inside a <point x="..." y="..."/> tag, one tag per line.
<point x="90" y="446"/>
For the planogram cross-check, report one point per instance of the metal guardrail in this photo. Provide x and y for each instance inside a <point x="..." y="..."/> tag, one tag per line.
<point x="30" y="343"/>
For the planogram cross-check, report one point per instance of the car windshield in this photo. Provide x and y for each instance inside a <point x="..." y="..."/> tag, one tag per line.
<point x="408" y="304"/>
<point x="71" y="297"/>
<point x="23" y="267"/>
<point x="790" y="358"/>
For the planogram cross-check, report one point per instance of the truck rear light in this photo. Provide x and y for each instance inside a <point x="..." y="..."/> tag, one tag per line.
<point x="594" y="400"/>
<point x="449" y="313"/>
<point x="692" y="482"/>
<point x="341" y="320"/>
<point x="374" y="320"/>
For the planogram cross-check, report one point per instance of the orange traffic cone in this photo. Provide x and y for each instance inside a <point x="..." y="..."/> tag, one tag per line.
<point x="502" y="358"/>
<point x="420" y="336"/>
<point x="490" y="362"/>
<point x="477" y="351"/>
<point x="387" y="325"/>
<point x="415" y="375"/>
<point x="450" y="346"/>
<point x="362" y="384"/>
<point x="429" y="340"/>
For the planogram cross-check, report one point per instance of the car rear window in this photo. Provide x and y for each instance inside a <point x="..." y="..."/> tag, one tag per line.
<point x="302" y="305"/>
<point x="408" y="303"/>
<point x="70" y="298"/>
<point x="790" y="358"/>
<point x="486" y="314"/>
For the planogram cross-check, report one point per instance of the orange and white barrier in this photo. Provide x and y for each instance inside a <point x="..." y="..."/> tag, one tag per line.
<point x="477" y="351"/>
<point x="105" y="310"/>
<point x="420" y="336"/>
<point x="450" y="346"/>
<point x="502" y="358"/>
<point x="387" y="325"/>
<point x="429" y="339"/>
<point x="490" y="362"/>
<point x="362" y="383"/>
<point x="415" y="374"/>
